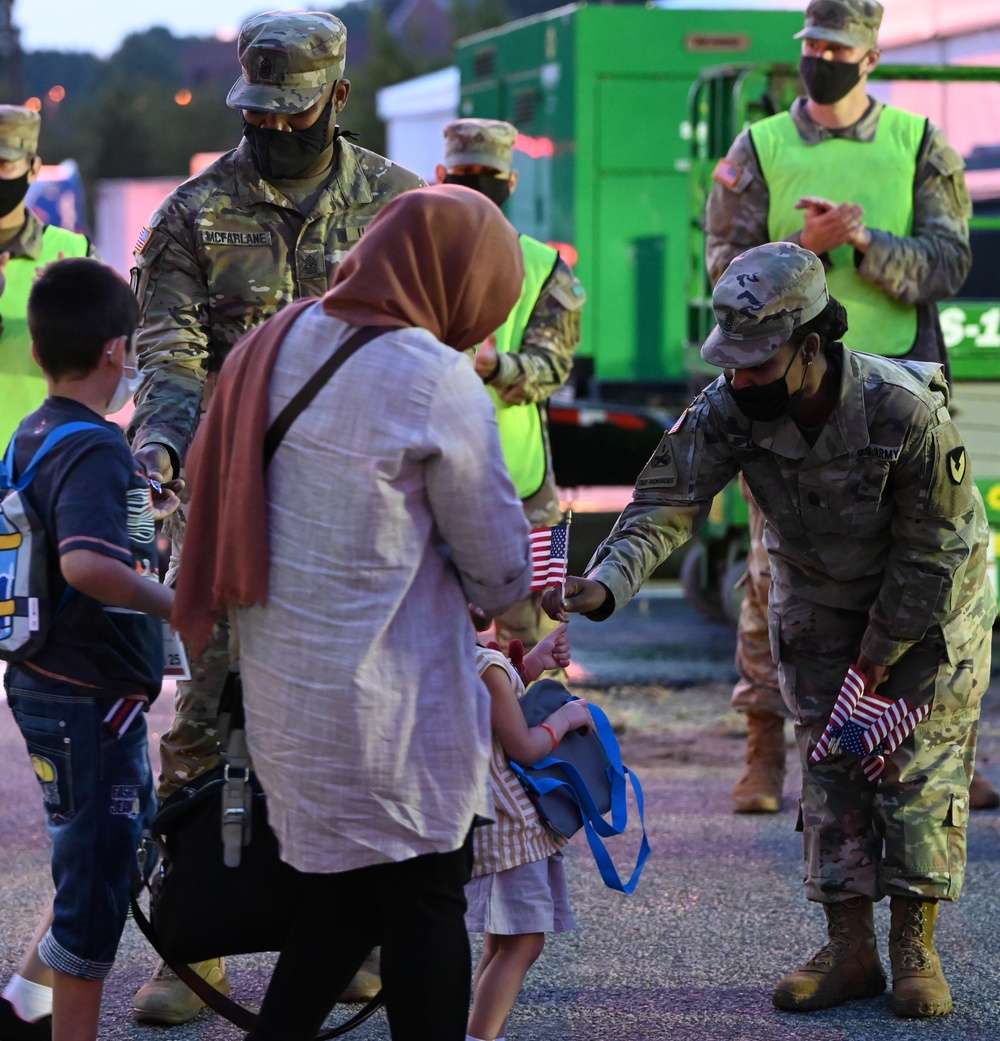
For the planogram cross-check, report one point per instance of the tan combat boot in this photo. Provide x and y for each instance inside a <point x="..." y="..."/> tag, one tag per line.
<point x="919" y="989"/>
<point x="167" y="1000"/>
<point x="759" y="788"/>
<point x="846" y="968"/>
<point x="983" y="795"/>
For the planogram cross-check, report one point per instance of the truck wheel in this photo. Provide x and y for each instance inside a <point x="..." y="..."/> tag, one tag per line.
<point x="700" y="585"/>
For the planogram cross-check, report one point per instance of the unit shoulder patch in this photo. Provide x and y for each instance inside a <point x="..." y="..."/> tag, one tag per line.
<point x="957" y="465"/>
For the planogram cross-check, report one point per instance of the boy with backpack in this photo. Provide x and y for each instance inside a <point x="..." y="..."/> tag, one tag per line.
<point x="78" y="689"/>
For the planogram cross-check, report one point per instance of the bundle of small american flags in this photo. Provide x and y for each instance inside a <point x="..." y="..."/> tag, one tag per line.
<point x="868" y="725"/>
<point x="549" y="553"/>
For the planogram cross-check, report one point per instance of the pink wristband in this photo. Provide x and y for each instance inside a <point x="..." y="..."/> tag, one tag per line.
<point x="555" y="740"/>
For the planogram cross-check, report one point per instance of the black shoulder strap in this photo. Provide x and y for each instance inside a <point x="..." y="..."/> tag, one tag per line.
<point x="317" y="381"/>
<point x="225" y="1006"/>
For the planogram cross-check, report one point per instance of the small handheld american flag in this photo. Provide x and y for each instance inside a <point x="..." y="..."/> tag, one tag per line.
<point x="549" y="553"/>
<point x="867" y="725"/>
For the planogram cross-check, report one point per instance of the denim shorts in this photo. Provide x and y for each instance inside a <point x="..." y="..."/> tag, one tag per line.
<point x="98" y="796"/>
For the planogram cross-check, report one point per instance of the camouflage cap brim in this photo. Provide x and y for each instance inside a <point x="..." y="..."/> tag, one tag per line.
<point x="727" y="352"/>
<point x="19" y="128"/>
<point x="260" y="97"/>
<point x="849" y="38"/>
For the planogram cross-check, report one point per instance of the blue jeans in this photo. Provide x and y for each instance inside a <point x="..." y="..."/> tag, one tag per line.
<point x="98" y="795"/>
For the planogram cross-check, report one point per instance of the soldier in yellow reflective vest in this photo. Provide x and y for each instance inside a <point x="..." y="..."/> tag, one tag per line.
<point x="25" y="245"/>
<point x="531" y="355"/>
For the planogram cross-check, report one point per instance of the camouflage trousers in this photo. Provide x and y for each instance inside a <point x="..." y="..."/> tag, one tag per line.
<point x="191" y="745"/>
<point x="905" y="835"/>
<point x="757" y="688"/>
<point x="526" y="621"/>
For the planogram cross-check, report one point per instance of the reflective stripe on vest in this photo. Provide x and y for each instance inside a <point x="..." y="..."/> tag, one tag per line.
<point x="521" y="425"/>
<point x="22" y="383"/>
<point x="878" y="175"/>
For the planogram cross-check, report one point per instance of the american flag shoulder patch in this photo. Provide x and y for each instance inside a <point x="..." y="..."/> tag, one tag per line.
<point x="142" y="241"/>
<point x="727" y="173"/>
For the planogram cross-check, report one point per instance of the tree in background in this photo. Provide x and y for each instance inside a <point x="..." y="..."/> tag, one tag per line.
<point x="159" y="98"/>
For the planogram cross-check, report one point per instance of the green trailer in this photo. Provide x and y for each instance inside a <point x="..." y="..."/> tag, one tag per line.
<point x="623" y="111"/>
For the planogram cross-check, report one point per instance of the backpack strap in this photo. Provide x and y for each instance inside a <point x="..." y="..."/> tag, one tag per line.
<point x="594" y="824"/>
<point x="46" y="446"/>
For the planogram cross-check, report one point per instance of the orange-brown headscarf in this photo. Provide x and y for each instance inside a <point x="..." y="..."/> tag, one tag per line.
<point x="443" y="259"/>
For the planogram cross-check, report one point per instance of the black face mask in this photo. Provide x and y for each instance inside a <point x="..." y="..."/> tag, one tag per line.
<point x="496" y="189"/>
<point x="12" y="193"/>
<point x="766" y="402"/>
<point x="828" y="81"/>
<point x="281" y="155"/>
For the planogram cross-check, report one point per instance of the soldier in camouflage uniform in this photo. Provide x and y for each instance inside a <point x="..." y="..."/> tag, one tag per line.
<point x="900" y="272"/>
<point x="265" y="224"/>
<point x="26" y="244"/>
<point x="533" y="353"/>
<point x="878" y="541"/>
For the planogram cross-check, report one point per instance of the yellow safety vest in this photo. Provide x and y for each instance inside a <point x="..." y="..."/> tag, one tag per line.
<point x="878" y="175"/>
<point x="521" y="425"/>
<point x="22" y="383"/>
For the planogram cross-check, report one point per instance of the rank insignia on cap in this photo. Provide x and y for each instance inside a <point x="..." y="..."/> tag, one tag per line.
<point x="957" y="461"/>
<point x="727" y="173"/>
<point x="142" y="241"/>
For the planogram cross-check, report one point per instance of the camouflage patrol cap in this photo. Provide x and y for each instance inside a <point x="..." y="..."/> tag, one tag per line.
<point x="288" y="57"/>
<point x="480" y="142"/>
<point x="763" y="296"/>
<point x="18" y="132"/>
<point x="854" y="23"/>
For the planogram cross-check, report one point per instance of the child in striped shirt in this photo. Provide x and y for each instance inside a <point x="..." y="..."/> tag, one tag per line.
<point x="518" y="889"/>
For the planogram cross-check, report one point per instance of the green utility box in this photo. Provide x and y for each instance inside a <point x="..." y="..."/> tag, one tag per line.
<point x="601" y="97"/>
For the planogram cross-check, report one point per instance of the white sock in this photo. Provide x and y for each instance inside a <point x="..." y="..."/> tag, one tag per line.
<point x="29" y="1000"/>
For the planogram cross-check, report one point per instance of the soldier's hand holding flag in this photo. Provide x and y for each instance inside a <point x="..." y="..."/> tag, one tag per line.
<point x="867" y="724"/>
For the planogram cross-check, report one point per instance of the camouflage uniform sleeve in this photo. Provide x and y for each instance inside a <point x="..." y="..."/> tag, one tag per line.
<point x="932" y="263"/>
<point x="172" y="339"/>
<point x="672" y="499"/>
<point x="736" y="211"/>
<point x="545" y="359"/>
<point x="937" y="524"/>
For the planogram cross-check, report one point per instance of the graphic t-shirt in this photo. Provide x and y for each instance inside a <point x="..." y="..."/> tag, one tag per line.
<point x="89" y="495"/>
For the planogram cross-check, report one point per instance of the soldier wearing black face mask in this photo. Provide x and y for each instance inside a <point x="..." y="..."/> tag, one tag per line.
<point x="265" y="224"/>
<point x="26" y="243"/>
<point x="530" y="356"/>
<point x="880" y="196"/>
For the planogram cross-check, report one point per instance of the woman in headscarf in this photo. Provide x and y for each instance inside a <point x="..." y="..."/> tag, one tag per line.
<point x="385" y="510"/>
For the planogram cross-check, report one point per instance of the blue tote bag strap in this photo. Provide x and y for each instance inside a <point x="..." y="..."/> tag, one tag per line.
<point x="594" y="823"/>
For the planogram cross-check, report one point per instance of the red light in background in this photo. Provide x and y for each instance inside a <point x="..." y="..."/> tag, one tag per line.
<point x="567" y="251"/>
<point x="535" y="147"/>
<point x="183" y="97"/>
<point x="56" y="93"/>
<point x="35" y="104"/>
